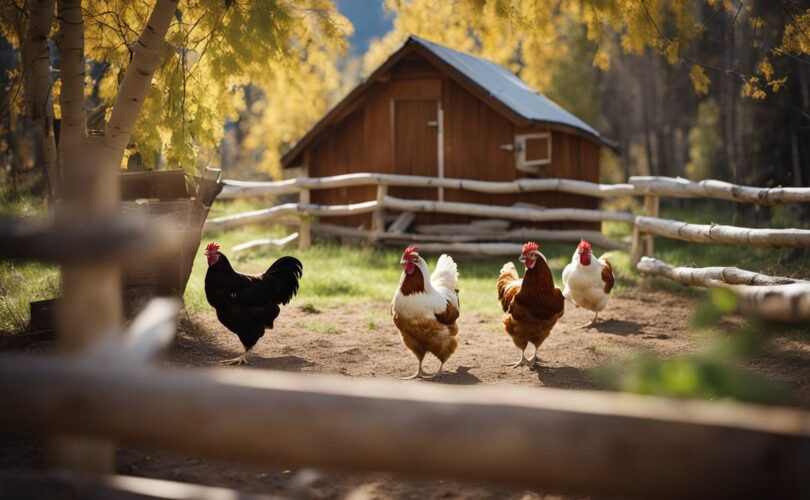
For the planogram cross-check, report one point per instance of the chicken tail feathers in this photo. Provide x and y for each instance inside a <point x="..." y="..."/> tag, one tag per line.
<point x="281" y="279"/>
<point x="446" y="273"/>
<point x="508" y="275"/>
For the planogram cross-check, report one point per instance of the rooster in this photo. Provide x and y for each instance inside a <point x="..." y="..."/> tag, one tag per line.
<point x="532" y="305"/>
<point x="588" y="281"/>
<point x="425" y="308"/>
<point x="245" y="304"/>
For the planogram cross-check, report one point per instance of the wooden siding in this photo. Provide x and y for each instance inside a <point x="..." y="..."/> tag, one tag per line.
<point x="364" y="141"/>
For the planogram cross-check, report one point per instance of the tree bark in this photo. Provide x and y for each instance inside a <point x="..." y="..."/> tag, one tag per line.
<point x="137" y="80"/>
<point x="70" y="43"/>
<point x="36" y="69"/>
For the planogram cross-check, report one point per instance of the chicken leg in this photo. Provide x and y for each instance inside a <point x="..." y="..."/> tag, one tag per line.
<point x="239" y="360"/>
<point x="592" y="322"/>
<point x="523" y="360"/>
<point x="420" y="373"/>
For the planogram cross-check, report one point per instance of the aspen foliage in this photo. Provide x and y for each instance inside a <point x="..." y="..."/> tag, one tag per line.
<point x="213" y="49"/>
<point x="531" y="36"/>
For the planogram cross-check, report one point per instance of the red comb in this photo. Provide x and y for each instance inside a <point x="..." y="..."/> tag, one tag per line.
<point x="411" y="249"/>
<point x="584" y="245"/>
<point x="212" y="247"/>
<point x="530" y="247"/>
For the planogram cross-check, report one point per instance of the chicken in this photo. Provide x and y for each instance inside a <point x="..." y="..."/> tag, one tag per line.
<point x="245" y="304"/>
<point x="425" y="308"/>
<point x="532" y="305"/>
<point x="588" y="281"/>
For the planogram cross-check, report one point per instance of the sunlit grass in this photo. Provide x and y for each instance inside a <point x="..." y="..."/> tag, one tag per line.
<point x="23" y="282"/>
<point x="20" y="284"/>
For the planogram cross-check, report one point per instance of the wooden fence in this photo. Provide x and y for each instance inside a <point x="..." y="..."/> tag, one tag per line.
<point x="645" y="226"/>
<point x="100" y="391"/>
<point x="491" y="240"/>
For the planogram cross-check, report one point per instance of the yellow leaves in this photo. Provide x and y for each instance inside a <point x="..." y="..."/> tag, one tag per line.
<point x="755" y="86"/>
<point x="57" y="91"/>
<point x="796" y="37"/>
<point x="700" y="81"/>
<point x="602" y="59"/>
<point x="672" y="52"/>
<point x="765" y="69"/>
<point x="753" y="89"/>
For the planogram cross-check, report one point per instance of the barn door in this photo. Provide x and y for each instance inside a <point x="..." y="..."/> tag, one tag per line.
<point x="417" y="134"/>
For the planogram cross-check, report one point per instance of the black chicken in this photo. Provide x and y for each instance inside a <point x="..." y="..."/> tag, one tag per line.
<point x="246" y="304"/>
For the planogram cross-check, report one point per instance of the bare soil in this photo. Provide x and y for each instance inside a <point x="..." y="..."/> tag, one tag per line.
<point x="361" y="341"/>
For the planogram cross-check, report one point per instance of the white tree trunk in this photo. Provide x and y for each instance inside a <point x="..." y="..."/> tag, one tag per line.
<point x="715" y="233"/>
<point x="146" y="58"/>
<point x="70" y="43"/>
<point x="36" y="70"/>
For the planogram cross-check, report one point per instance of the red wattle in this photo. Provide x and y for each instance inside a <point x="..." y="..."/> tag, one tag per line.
<point x="409" y="268"/>
<point x="585" y="259"/>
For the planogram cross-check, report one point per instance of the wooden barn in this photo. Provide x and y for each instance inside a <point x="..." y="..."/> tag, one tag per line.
<point x="433" y="111"/>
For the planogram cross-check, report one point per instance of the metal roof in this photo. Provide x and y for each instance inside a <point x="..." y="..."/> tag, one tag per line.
<point x="504" y="86"/>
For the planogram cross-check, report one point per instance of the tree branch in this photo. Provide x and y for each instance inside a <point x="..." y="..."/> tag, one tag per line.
<point x="137" y="80"/>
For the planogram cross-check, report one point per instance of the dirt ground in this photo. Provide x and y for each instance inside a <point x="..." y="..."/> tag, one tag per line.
<point x="362" y="342"/>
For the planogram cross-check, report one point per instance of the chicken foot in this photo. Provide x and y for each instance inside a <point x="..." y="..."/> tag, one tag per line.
<point x="591" y="322"/>
<point x="420" y="373"/>
<point x="239" y="360"/>
<point x="530" y="362"/>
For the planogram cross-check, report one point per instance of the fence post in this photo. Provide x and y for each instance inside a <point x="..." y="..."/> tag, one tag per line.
<point x="651" y="205"/>
<point x="305" y="220"/>
<point x="378" y="218"/>
<point x="91" y="303"/>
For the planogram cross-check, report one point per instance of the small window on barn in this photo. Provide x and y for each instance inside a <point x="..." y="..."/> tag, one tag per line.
<point x="533" y="151"/>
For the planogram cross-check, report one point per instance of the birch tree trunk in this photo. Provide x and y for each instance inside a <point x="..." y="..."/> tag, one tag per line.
<point x="36" y="70"/>
<point x="137" y="80"/>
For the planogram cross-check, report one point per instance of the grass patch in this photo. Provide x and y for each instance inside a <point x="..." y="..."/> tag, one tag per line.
<point x="309" y="308"/>
<point x="20" y="284"/>
<point x="318" y="327"/>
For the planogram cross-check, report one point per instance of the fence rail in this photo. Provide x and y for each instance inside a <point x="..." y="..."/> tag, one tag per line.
<point x="571" y="441"/>
<point x="683" y="188"/>
<point x="236" y="189"/>
<point x="645" y="226"/>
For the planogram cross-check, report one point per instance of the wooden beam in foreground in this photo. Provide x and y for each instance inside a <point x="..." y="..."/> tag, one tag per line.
<point x="62" y="485"/>
<point x="576" y="442"/>
<point x="125" y="239"/>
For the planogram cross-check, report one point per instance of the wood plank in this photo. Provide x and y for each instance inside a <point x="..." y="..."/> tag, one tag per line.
<point x="402" y="223"/>
<point x="567" y="441"/>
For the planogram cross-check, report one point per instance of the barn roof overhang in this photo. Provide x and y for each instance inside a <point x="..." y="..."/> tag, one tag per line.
<point x="540" y="111"/>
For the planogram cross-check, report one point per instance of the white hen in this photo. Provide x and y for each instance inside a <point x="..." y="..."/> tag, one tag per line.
<point x="588" y="281"/>
<point x="425" y="308"/>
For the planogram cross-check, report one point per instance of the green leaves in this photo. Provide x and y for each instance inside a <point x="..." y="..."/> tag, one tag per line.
<point x="713" y="373"/>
